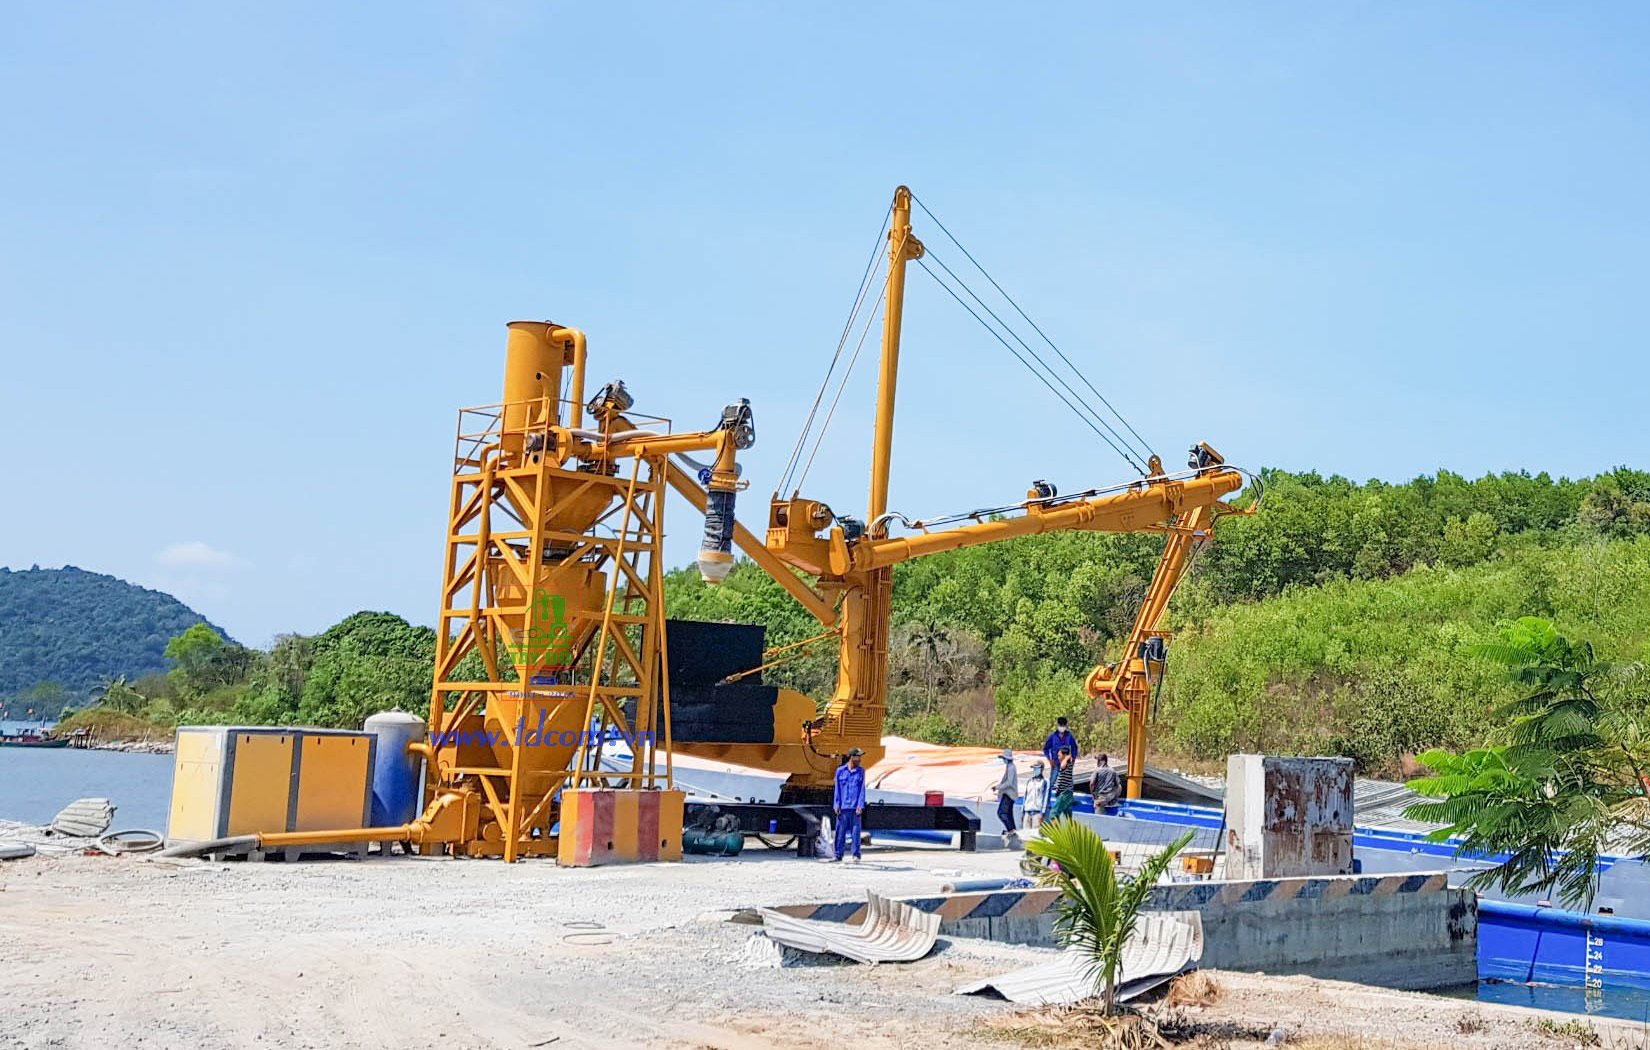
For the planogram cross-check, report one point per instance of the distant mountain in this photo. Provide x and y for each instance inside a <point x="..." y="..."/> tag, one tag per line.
<point x="77" y="628"/>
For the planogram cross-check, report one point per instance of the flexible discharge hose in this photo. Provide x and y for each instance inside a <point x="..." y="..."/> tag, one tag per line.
<point x="137" y="840"/>
<point x="195" y="849"/>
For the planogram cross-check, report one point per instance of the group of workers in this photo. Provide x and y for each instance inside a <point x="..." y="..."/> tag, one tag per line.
<point x="1060" y="749"/>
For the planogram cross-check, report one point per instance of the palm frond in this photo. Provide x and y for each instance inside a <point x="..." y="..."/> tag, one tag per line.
<point x="1502" y="653"/>
<point x="1098" y="911"/>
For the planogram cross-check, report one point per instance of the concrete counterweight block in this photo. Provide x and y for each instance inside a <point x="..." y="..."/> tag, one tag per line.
<point x="1288" y="817"/>
<point x="606" y="826"/>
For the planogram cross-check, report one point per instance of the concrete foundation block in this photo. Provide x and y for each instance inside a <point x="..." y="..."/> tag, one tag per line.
<point x="1408" y="931"/>
<point x="1036" y="930"/>
<point x="1288" y="817"/>
<point x="1396" y="931"/>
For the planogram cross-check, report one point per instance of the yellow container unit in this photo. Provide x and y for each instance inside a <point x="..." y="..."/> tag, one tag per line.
<point x="243" y="780"/>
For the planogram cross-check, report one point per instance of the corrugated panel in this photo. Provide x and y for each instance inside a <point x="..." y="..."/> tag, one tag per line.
<point x="1164" y="944"/>
<point x="85" y="818"/>
<point x="1381" y="804"/>
<point x="890" y="932"/>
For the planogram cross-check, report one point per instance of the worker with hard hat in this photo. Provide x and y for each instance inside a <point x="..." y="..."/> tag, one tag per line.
<point x="849" y="803"/>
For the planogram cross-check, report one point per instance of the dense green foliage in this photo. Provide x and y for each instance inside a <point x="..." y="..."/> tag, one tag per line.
<point x="1564" y="779"/>
<point x="371" y="661"/>
<point x="1339" y="618"/>
<point x="64" y="632"/>
<point x="1377" y="669"/>
<point x="1343" y="617"/>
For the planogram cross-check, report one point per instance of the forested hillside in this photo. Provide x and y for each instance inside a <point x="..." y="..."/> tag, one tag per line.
<point x="63" y="632"/>
<point x="1340" y="618"/>
<point x="1379" y="668"/>
<point x="368" y="662"/>
<point x="1337" y="618"/>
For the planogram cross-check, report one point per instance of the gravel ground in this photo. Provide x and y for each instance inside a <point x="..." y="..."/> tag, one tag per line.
<point x="1336" y="1014"/>
<point x="412" y="952"/>
<point x="409" y="952"/>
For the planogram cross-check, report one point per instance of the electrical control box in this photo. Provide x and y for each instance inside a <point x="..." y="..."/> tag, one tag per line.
<point x="244" y="780"/>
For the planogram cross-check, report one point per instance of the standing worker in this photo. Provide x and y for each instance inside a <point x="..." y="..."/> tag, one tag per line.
<point x="1036" y="797"/>
<point x="1105" y="786"/>
<point x="1061" y="737"/>
<point x="1062" y="785"/>
<point x="1008" y="789"/>
<point x="849" y="802"/>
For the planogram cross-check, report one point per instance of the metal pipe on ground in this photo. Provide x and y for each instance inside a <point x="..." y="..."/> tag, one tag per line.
<point x="276" y="840"/>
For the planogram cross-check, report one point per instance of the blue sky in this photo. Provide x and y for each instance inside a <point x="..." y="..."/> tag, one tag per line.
<point x="252" y="261"/>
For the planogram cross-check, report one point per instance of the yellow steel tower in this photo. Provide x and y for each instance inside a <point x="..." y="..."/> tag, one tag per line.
<point x="550" y="632"/>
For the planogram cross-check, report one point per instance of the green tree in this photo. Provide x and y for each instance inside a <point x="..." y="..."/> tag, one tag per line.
<point x="204" y="660"/>
<point x="1618" y="504"/>
<point x="1470" y="540"/>
<point x="928" y="641"/>
<point x="119" y="696"/>
<point x="1098" y="908"/>
<point x="277" y="681"/>
<point x="369" y="662"/>
<point x="43" y="698"/>
<point x="1563" y="784"/>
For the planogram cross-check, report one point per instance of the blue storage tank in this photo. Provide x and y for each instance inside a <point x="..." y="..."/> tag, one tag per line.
<point x="396" y="783"/>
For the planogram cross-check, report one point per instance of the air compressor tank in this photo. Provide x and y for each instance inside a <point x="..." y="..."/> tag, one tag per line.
<point x="395" y="773"/>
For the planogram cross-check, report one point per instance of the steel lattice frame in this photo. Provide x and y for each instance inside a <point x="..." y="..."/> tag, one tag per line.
<point x="500" y="516"/>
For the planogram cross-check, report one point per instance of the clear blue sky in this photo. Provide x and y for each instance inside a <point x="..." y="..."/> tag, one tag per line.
<point x="252" y="261"/>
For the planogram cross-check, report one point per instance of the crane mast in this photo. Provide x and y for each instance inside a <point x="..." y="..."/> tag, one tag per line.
<point x="1126" y="687"/>
<point x="851" y="561"/>
<point x="551" y="637"/>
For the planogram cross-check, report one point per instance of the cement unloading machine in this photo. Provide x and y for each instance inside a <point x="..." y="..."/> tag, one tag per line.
<point x="552" y="640"/>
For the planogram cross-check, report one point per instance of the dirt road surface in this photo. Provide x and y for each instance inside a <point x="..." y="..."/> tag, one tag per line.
<point x="409" y="953"/>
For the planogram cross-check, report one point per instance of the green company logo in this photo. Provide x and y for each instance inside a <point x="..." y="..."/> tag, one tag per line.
<point x="547" y="641"/>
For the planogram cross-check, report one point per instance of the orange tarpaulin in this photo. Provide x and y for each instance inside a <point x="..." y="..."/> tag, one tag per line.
<point x="915" y="767"/>
<point x="909" y="767"/>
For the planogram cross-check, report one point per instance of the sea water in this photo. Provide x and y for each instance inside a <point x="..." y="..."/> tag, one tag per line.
<point x="1631" y="1004"/>
<point x="37" y="782"/>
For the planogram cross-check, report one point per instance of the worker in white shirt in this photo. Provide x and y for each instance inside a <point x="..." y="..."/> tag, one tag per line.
<point x="1036" y="796"/>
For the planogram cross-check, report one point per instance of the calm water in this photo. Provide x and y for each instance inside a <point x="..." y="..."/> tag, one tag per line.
<point x="35" y="784"/>
<point x="11" y="728"/>
<point x="1609" y="1001"/>
<point x="1632" y="1004"/>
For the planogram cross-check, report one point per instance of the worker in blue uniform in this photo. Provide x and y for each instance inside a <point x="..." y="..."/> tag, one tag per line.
<point x="1061" y="737"/>
<point x="849" y="802"/>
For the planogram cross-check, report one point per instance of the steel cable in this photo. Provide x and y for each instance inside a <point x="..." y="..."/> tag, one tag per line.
<point x="1075" y="370"/>
<point x="1054" y="374"/>
<point x="847" y="329"/>
<point x="823" y="427"/>
<point x="1127" y="458"/>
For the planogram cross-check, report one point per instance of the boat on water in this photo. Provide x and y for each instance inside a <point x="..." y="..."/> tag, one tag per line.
<point x="33" y="741"/>
<point x="34" y="733"/>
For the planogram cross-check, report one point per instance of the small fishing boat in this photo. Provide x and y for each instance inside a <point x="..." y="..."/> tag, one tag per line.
<point x="33" y="741"/>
